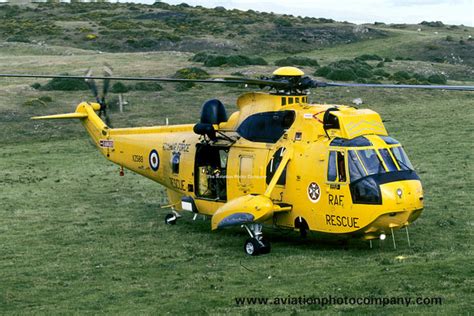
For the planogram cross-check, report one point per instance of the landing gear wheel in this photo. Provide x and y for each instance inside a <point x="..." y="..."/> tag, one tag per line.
<point x="303" y="233"/>
<point x="266" y="246"/>
<point x="252" y="247"/>
<point x="170" y="219"/>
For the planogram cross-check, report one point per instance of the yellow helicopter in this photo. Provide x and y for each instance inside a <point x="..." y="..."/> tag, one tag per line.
<point x="278" y="160"/>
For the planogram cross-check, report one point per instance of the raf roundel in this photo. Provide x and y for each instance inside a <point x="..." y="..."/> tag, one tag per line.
<point x="154" y="160"/>
<point x="314" y="192"/>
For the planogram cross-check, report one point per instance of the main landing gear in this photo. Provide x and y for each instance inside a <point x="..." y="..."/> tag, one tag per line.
<point x="256" y="244"/>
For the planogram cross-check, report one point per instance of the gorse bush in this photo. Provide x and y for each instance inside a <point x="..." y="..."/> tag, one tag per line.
<point x="64" y="84"/>
<point x="189" y="73"/>
<point x="296" y="61"/>
<point x="213" y="60"/>
<point x="119" y="87"/>
<point x="346" y="70"/>
<point x="406" y="77"/>
<point x="369" y="57"/>
<point x="437" y="79"/>
<point x="147" y="86"/>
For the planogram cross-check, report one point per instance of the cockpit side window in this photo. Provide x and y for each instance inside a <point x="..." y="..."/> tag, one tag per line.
<point x="341" y="166"/>
<point x="388" y="159"/>
<point x="337" y="166"/>
<point x="401" y="158"/>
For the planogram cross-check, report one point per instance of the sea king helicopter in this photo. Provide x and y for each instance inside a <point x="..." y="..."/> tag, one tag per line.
<point x="278" y="160"/>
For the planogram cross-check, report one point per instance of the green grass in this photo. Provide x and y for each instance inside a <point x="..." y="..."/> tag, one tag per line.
<point x="77" y="238"/>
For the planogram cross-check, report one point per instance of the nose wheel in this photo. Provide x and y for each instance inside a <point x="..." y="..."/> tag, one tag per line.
<point x="256" y="244"/>
<point x="171" y="218"/>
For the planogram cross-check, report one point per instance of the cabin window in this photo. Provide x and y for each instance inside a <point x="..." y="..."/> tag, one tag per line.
<point x="297" y="100"/>
<point x="341" y="166"/>
<point x="290" y="100"/>
<point x="332" y="172"/>
<point x="175" y="159"/>
<point x="336" y="166"/>
<point x="283" y="101"/>
<point x="266" y="127"/>
<point x="246" y="170"/>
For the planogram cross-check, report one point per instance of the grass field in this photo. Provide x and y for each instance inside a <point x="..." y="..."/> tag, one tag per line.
<point x="77" y="238"/>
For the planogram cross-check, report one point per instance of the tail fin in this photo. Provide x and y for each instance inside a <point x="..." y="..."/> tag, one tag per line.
<point x="85" y="112"/>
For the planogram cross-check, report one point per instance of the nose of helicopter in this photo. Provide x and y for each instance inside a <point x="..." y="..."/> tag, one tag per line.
<point x="403" y="195"/>
<point x="403" y="202"/>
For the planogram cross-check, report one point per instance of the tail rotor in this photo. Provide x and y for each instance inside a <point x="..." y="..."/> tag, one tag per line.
<point x="105" y="89"/>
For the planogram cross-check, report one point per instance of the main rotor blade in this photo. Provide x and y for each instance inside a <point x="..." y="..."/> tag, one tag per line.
<point x="92" y="85"/>
<point x="217" y="80"/>
<point x="108" y="71"/>
<point x="394" y="86"/>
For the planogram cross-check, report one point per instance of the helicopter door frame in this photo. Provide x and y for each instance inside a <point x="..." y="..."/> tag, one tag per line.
<point x="337" y="193"/>
<point x="210" y="172"/>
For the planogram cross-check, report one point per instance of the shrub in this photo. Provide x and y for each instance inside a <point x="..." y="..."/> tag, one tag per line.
<point x="34" y="102"/>
<point x="18" y="38"/>
<point x="363" y="72"/>
<point x="437" y="79"/>
<point x="381" y="72"/>
<point x="388" y="60"/>
<point x="184" y="86"/>
<point x="403" y="58"/>
<point x="65" y="84"/>
<point x="282" y="22"/>
<point x="191" y="73"/>
<point x="147" y="86"/>
<point x="233" y="60"/>
<point x="401" y="75"/>
<point x="45" y="98"/>
<point x="342" y="74"/>
<point x="119" y="87"/>
<point x="323" y="71"/>
<point x="380" y="64"/>
<point x="346" y="70"/>
<point x="200" y="57"/>
<point x="213" y="60"/>
<point x="36" y="86"/>
<point x="369" y="57"/>
<point x="432" y="24"/>
<point x="297" y="61"/>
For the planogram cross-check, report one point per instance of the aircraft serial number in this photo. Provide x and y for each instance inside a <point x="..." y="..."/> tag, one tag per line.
<point x="137" y="158"/>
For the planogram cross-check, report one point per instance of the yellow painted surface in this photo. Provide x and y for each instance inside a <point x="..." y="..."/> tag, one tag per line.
<point x="148" y="151"/>
<point x="288" y="71"/>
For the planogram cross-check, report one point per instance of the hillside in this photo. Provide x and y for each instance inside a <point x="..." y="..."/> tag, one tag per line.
<point x="133" y="27"/>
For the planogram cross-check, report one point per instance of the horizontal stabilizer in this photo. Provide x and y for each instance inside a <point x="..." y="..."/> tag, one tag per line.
<point x="75" y="115"/>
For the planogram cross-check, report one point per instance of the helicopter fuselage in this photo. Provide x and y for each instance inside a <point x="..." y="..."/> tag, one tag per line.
<point x="344" y="174"/>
